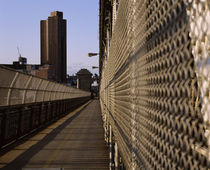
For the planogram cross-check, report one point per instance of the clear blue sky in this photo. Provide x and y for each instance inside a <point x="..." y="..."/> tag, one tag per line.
<point x="20" y="26"/>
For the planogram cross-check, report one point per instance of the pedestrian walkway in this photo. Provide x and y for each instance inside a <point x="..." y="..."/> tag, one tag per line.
<point x="74" y="142"/>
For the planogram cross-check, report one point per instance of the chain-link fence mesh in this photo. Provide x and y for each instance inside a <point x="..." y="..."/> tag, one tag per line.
<point x="155" y="83"/>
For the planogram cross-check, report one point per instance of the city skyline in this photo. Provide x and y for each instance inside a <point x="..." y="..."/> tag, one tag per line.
<point x="22" y="29"/>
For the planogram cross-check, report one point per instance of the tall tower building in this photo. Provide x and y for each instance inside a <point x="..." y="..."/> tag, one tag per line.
<point x="53" y="45"/>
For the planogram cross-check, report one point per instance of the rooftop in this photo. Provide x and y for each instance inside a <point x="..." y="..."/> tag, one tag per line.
<point x="57" y="13"/>
<point x="84" y="71"/>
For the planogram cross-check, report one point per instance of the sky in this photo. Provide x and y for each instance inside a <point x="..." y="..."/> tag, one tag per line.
<point x="20" y="26"/>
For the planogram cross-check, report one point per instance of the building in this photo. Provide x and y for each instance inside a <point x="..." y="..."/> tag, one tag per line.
<point x="45" y="72"/>
<point x="84" y="80"/>
<point x="53" y="45"/>
<point x="21" y="65"/>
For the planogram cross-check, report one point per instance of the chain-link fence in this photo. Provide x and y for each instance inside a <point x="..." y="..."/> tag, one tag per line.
<point x="155" y="82"/>
<point x="19" y="88"/>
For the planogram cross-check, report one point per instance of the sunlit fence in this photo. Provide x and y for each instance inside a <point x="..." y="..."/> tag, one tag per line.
<point x="19" y="88"/>
<point x="155" y="81"/>
<point x="28" y="104"/>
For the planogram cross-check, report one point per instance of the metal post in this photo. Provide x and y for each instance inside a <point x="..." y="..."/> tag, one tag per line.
<point x="106" y="130"/>
<point x="110" y="148"/>
<point x="20" y="115"/>
<point x="3" y="127"/>
<point x="116" y="157"/>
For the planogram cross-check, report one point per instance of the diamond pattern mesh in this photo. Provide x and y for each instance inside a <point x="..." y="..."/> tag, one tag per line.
<point x="155" y="84"/>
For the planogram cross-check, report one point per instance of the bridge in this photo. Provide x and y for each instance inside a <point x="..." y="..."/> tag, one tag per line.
<point x="153" y="110"/>
<point x="46" y="124"/>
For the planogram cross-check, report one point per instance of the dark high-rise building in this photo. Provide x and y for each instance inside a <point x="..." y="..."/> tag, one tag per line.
<point x="53" y="45"/>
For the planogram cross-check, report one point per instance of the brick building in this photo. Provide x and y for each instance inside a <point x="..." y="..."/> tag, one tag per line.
<point x="53" y="46"/>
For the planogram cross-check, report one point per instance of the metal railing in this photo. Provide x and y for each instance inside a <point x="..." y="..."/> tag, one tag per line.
<point x="17" y="121"/>
<point x="29" y="103"/>
<point x="155" y="82"/>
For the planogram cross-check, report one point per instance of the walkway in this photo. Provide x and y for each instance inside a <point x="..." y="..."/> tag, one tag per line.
<point x="74" y="142"/>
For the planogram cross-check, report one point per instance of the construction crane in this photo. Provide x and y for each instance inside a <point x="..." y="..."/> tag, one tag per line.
<point x="21" y="59"/>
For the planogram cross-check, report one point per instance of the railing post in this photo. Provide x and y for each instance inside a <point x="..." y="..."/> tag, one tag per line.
<point x="121" y="165"/>
<point x="46" y="112"/>
<point x="106" y="136"/>
<point x="116" y="156"/>
<point x="31" y="118"/>
<point x="2" y="126"/>
<point x="40" y="115"/>
<point x="110" y="149"/>
<point x="1" y="129"/>
<point x="20" y="114"/>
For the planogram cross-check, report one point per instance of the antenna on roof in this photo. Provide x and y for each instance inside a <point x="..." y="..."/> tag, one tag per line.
<point x="18" y="51"/>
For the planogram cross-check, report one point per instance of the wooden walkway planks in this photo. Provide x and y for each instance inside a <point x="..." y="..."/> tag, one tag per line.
<point x="76" y="143"/>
